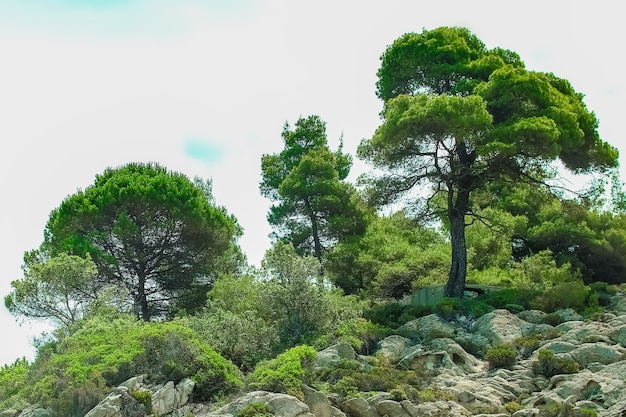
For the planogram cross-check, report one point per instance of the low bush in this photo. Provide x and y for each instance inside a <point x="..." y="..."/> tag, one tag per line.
<point x="502" y="356"/>
<point x="394" y="314"/>
<point x="286" y="373"/>
<point x="449" y="308"/>
<point x="255" y="410"/>
<point x="548" y="364"/>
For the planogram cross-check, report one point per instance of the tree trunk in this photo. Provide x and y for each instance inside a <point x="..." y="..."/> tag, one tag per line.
<point x="142" y="299"/>
<point x="458" y="268"/>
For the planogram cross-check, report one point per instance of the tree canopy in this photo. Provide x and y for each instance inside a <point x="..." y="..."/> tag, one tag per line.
<point x="458" y="116"/>
<point x="314" y="206"/>
<point x="152" y="232"/>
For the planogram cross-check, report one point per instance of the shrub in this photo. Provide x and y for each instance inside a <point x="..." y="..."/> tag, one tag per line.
<point x="393" y="314"/>
<point x="286" y="373"/>
<point x="508" y="297"/>
<point x="434" y="393"/>
<point x="548" y="364"/>
<point x="255" y="410"/>
<point x="502" y="356"/>
<point x="144" y="398"/>
<point x="512" y="407"/>
<point x="78" y="372"/>
<point x="572" y="294"/>
<point x="526" y="345"/>
<point x="449" y="308"/>
<point x="553" y="319"/>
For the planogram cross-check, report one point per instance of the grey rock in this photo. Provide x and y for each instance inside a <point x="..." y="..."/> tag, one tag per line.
<point x="597" y="352"/>
<point x="318" y="403"/>
<point x="391" y="408"/>
<point x="428" y="328"/>
<point x="391" y="347"/>
<point x="359" y="407"/>
<point x="333" y="354"/>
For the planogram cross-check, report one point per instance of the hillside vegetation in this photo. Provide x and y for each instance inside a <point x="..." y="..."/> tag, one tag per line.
<point x="143" y="277"/>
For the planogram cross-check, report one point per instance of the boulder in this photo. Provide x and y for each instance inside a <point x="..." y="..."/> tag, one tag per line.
<point x="391" y="408"/>
<point x="170" y="397"/>
<point x="568" y="314"/>
<point x="319" y="405"/>
<point x="532" y="316"/>
<point x="333" y="354"/>
<point x="281" y="405"/>
<point x="118" y="403"/>
<point x="440" y="354"/>
<point x="359" y="407"/>
<point x="439" y="409"/>
<point x="618" y="335"/>
<point x="596" y="352"/>
<point x="428" y="328"/>
<point x="559" y="346"/>
<point x="391" y="347"/>
<point x="501" y="327"/>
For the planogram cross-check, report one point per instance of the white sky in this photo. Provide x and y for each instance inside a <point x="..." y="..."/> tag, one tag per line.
<point x="204" y="88"/>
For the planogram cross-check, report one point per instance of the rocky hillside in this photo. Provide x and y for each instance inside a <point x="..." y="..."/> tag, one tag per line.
<point x="500" y="364"/>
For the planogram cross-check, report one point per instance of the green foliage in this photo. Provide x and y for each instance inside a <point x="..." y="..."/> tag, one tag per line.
<point x="60" y="288"/>
<point x="435" y="393"/>
<point x="347" y="378"/>
<point x="480" y="118"/>
<point x="449" y="308"/>
<point x="392" y="314"/>
<point x="12" y="380"/>
<point x="144" y="398"/>
<point x="574" y="294"/>
<point x="507" y="297"/>
<point x="395" y="256"/>
<point x="314" y="207"/>
<point x="255" y="410"/>
<point x="548" y="364"/>
<point x="512" y="406"/>
<point x="503" y="356"/>
<point x="553" y="319"/>
<point x="236" y="321"/>
<point x="76" y="372"/>
<point x="526" y="345"/>
<point x="150" y="231"/>
<point x="286" y="373"/>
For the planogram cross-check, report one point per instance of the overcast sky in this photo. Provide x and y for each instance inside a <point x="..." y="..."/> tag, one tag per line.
<point x="204" y="88"/>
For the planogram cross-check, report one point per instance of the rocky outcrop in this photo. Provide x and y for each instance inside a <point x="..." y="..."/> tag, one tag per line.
<point x="165" y="399"/>
<point x="454" y="382"/>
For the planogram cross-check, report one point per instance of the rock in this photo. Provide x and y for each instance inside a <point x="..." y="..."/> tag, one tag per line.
<point x="596" y="352"/>
<point x="359" y="407"/>
<point x="333" y="354"/>
<point x="319" y="405"/>
<point x="568" y="314"/>
<point x="391" y="347"/>
<point x="440" y="354"/>
<point x="134" y="383"/>
<point x="618" y="335"/>
<point x="441" y="409"/>
<point x="170" y="397"/>
<point x="559" y="346"/>
<point x="577" y="331"/>
<point x="532" y="316"/>
<point x="118" y="403"/>
<point x="281" y="405"/>
<point x="501" y="327"/>
<point x="391" y="408"/>
<point x="32" y="411"/>
<point x="428" y="328"/>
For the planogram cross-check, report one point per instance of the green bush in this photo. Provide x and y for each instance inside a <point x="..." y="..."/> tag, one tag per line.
<point x="286" y="373"/>
<point x="526" y="345"/>
<point x="78" y="371"/>
<point x="553" y="319"/>
<point x="255" y="410"/>
<point x="393" y="314"/>
<point x="12" y="379"/>
<point x="502" y="356"/>
<point x="508" y="297"/>
<point x="572" y="294"/>
<point x="548" y="364"/>
<point x="144" y="398"/>
<point x="449" y="308"/>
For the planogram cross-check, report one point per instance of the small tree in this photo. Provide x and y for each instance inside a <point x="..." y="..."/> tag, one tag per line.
<point x="458" y="117"/>
<point x="314" y="206"/>
<point x="61" y="289"/>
